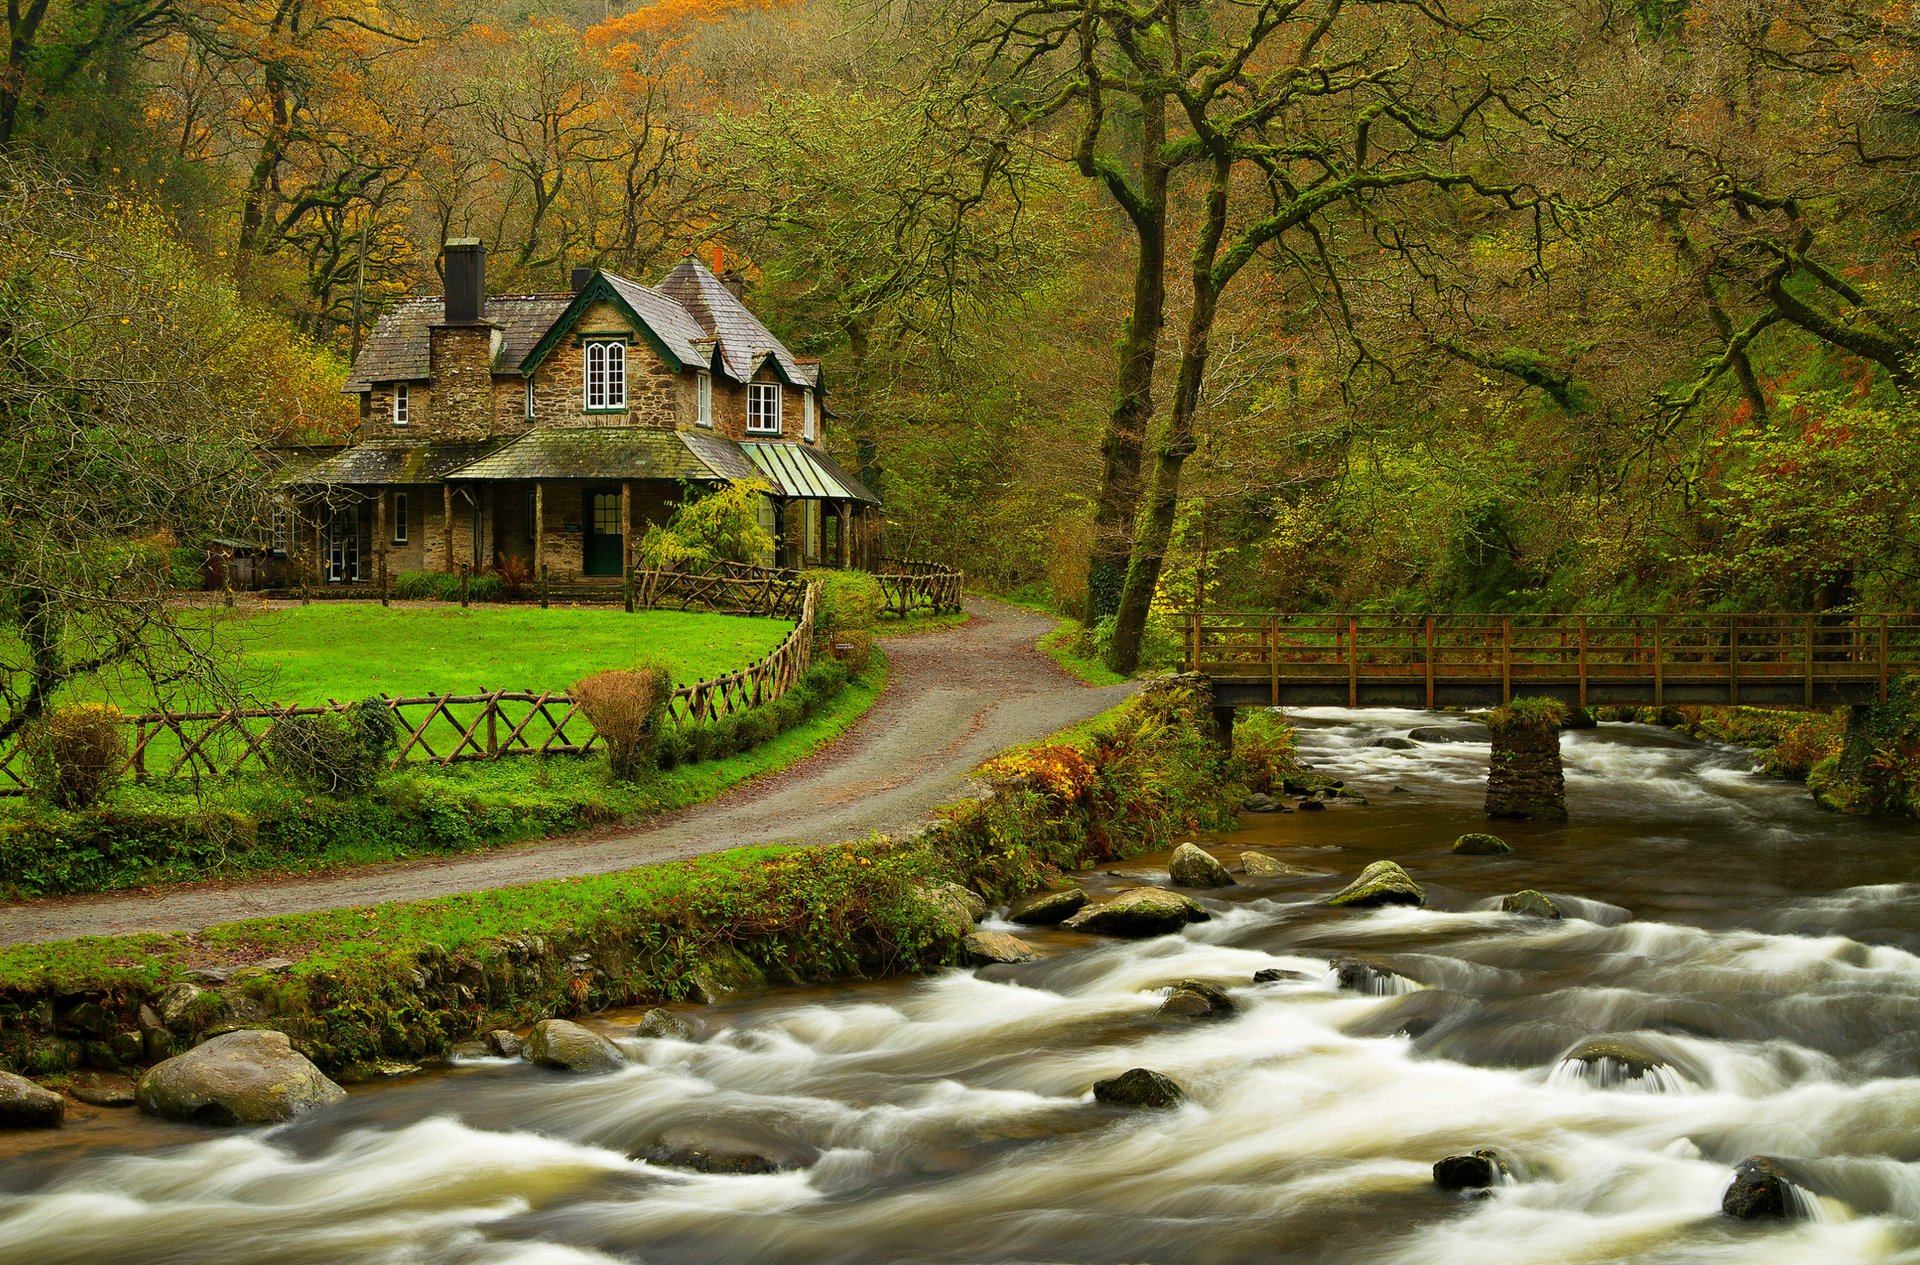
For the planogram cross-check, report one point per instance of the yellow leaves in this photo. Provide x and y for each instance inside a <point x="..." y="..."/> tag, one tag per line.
<point x="1060" y="771"/>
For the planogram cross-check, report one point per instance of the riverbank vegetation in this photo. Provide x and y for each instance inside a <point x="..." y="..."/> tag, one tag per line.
<point x="406" y="980"/>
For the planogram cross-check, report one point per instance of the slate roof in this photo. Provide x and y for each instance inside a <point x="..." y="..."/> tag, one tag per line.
<point x="667" y="319"/>
<point x="600" y="452"/>
<point x="399" y="349"/>
<point x="803" y="474"/>
<point x="743" y="339"/>
<point x="390" y="463"/>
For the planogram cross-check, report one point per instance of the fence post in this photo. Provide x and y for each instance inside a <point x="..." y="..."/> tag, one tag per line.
<point x="1659" y="661"/>
<point x="380" y="564"/>
<point x="1353" y="662"/>
<point x="1273" y="659"/>
<point x="1809" y="648"/>
<point x="543" y="586"/>
<point x="1429" y="663"/>
<point x="1733" y="660"/>
<point x="1193" y="665"/>
<point x="1583" y="660"/>
<point x="1506" y="659"/>
<point x="466" y="574"/>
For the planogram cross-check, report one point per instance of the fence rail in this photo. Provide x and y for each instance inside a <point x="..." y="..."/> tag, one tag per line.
<point x="439" y="728"/>
<point x="908" y="585"/>
<point x="1358" y="660"/>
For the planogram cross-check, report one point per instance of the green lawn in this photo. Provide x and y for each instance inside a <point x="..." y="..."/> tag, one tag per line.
<point x="308" y="654"/>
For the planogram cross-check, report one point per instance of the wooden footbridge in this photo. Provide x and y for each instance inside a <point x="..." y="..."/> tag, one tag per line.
<point x="1761" y="660"/>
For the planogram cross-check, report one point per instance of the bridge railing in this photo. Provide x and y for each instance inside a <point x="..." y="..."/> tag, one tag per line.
<point x="1519" y="651"/>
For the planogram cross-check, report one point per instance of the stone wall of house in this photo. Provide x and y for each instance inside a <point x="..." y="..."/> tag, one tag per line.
<point x="463" y="404"/>
<point x="654" y="391"/>
<point x="376" y="417"/>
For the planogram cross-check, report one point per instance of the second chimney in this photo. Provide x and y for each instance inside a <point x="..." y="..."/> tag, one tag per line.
<point x="466" y="280"/>
<point x="581" y="276"/>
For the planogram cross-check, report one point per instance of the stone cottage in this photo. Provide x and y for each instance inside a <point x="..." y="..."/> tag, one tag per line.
<point x="553" y="428"/>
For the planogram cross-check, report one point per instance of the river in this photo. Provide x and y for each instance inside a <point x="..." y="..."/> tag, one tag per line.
<point x="1765" y="950"/>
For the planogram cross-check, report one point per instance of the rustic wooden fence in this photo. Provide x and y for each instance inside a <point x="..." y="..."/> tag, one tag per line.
<point x="730" y="588"/>
<point x="439" y="728"/>
<point x="908" y="585"/>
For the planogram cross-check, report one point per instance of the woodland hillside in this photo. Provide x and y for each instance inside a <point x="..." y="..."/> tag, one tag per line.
<point x="1503" y="304"/>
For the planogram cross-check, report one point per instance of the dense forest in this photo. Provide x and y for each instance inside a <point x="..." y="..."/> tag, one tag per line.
<point x="1503" y="304"/>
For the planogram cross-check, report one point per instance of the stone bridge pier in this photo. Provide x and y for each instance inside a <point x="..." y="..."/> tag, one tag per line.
<point x="1525" y="780"/>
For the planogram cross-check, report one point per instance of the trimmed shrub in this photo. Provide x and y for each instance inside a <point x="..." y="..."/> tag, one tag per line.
<point x="625" y="707"/>
<point x="672" y="747"/>
<point x="756" y="726"/>
<point x="340" y="753"/>
<point x="849" y="601"/>
<point x="853" y="647"/>
<point x="485" y="588"/>
<point x="74" y="754"/>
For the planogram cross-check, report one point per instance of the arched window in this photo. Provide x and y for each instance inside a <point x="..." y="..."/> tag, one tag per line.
<point x="606" y="376"/>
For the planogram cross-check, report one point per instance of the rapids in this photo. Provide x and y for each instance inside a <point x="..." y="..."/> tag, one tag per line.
<point x="1763" y="952"/>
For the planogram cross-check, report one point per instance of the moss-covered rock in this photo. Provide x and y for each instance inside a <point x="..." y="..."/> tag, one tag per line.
<point x="249" y="1077"/>
<point x="1047" y="909"/>
<point x="1480" y="844"/>
<point x="25" y="1105"/>
<point x="989" y="948"/>
<point x="1138" y="1087"/>
<point x="556" y="1043"/>
<point x="1760" y="1189"/>
<point x="1195" y="999"/>
<point x="1260" y="865"/>
<point x="1530" y="904"/>
<point x="1139" y="912"/>
<point x="1481" y="1169"/>
<point x="724" y="971"/>
<point x="1192" y="866"/>
<point x="663" y="1025"/>
<point x="1382" y="883"/>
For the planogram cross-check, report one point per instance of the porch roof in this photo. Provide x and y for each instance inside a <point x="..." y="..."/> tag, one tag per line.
<point x="803" y="474"/>
<point x="388" y="463"/>
<point x="598" y="452"/>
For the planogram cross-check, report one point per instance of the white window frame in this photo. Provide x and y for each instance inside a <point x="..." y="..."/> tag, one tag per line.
<point x="281" y="524"/>
<point x="529" y="399"/>
<point x="604" y="370"/>
<point x="756" y="415"/>
<point x="703" y="399"/>
<point x="806" y="404"/>
<point x="399" y="518"/>
<point x="400" y="404"/>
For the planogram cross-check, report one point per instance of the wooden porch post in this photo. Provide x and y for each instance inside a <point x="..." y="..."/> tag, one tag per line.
<point x="626" y="542"/>
<point x="540" y="539"/>
<point x="446" y="523"/>
<point x="844" y="513"/>
<point x="380" y="541"/>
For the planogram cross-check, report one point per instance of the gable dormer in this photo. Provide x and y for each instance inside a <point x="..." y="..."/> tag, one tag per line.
<point x="619" y="355"/>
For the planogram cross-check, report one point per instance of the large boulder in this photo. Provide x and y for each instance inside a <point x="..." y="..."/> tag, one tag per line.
<point x="1480" y="844"/>
<point x="1477" y="1171"/>
<point x="1382" y="883"/>
<point x="1609" y="1061"/>
<point x="1139" y="912"/>
<point x="953" y="907"/>
<point x="1195" y="999"/>
<point x="996" y="948"/>
<point x="1260" y="865"/>
<point x="1760" y="1188"/>
<point x="1530" y="904"/>
<point x="25" y="1105"/>
<point x="1047" y="909"/>
<point x="1191" y="866"/>
<point x="1138" y="1087"/>
<point x="662" y="1024"/>
<point x="707" y="1151"/>
<point x="254" y="1076"/>
<point x="1466" y="731"/>
<point x="1394" y="742"/>
<point x="572" y="1048"/>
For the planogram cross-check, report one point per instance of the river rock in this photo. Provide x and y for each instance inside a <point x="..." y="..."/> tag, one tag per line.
<point x="1382" y="883"/>
<point x="1260" y="802"/>
<point x="1192" y="866"/>
<point x="1477" y="1171"/>
<point x="1760" y="1188"/>
<point x="1394" y="742"/>
<point x="989" y="948"/>
<point x="572" y="1048"/>
<point x="1312" y="806"/>
<point x="724" y="971"/>
<point x="951" y="907"/>
<point x="1479" y="844"/>
<point x="505" y="1043"/>
<point x="1260" y="865"/>
<point x="25" y="1105"/>
<point x="662" y="1024"/>
<point x="249" y="1077"/>
<point x="1139" y="912"/>
<point x="1467" y="731"/>
<point x="1530" y="904"/>
<point x="1138" y="1087"/>
<point x="102" y="1089"/>
<point x="177" y="1002"/>
<point x="1353" y="975"/>
<point x="1048" y="908"/>
<point x="1195" y="999"/>
<point x="1279" y="975"/>
<point x="704" y="1151"/>
<point x="1614" y="1059"/>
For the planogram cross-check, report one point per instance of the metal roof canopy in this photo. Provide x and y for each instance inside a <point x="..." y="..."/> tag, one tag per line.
<point x="803" y="474"/>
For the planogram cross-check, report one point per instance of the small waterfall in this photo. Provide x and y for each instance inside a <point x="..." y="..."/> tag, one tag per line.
<point x="1612" y="1073"/>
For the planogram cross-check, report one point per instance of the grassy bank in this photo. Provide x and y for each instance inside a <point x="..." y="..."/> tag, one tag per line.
<point x="348" y="650"/>
<point x="161" y="833"/>
<point x="405" y="981"/>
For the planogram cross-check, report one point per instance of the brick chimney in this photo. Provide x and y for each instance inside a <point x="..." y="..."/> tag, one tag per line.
<point x="580" y="278"/>
<point x="735" y="283"/>
<point x="463" y="346"/>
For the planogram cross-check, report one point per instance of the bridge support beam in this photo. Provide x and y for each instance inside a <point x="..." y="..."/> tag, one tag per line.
<point x="1223" y="726"/>
<point x="1525" y="780"/>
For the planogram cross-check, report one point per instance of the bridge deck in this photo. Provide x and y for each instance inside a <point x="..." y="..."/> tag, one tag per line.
<point x="1481" y="660"/>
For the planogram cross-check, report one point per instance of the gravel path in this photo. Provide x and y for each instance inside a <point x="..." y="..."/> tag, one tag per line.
<point x="953" y="698"/>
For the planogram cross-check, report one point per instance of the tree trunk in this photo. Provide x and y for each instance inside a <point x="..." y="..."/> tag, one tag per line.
<point x="1124" y="444"/>
<point x="22" y="27"/>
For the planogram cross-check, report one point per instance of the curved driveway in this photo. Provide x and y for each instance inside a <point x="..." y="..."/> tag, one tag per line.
<point x="953" y="699"/>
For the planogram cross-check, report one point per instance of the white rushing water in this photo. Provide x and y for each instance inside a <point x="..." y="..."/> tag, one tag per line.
<point x="951" y="1120"/>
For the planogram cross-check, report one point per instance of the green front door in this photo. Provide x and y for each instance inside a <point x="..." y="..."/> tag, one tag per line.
<point x="600" y="546"/>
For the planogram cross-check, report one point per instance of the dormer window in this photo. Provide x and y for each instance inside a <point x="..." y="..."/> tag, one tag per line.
<point x="703" y="398"/>
<point x="606" y="387"/>
<point x="399" y="404"/>
<point x="806" y="416"/>
<point x="763" y="408"/>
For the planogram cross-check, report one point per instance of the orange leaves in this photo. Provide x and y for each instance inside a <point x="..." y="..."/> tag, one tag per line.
<point x="1059" y="771"/>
